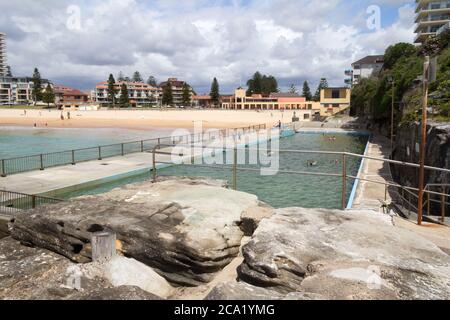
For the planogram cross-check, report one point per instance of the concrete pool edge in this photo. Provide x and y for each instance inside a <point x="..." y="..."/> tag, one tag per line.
<point x="356" y="183"/>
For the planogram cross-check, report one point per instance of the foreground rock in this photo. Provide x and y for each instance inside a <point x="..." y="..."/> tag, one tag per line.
<point x="186" y="229"/>
<point x="343" y="255"/>
<point x="37" y="274"/>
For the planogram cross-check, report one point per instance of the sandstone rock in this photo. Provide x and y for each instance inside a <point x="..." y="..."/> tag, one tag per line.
<point x="37" y="274"/>
<point x="185" y="230"/>
<point x="242" y="291"/>
<point x="338" y="255"/>
<point x="251" y="218"/>
<point x="121" y="271"/>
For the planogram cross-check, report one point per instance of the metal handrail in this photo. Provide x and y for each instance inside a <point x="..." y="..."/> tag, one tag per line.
<point x="11" y="201"/>
<point x="38" y="161"/>
<point x="344" y="174"/>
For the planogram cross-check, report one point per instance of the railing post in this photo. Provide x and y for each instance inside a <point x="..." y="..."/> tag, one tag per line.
<point x="154" y="165"/>
<point x="159" y="143"/>
<point x="123" y="151"/>
<point x="100" y="153"/>
<point x="428" y="204"/>
<point x="443" y="205"/>
<point x="41" y="157"/>
<point x="142" y="146"/>
<point x="235" y="168"/>
<point x="73" y="157"/>
<point x="3" y="174"/>
<point x="33" y="201"/>
<point x="344" y="181"/>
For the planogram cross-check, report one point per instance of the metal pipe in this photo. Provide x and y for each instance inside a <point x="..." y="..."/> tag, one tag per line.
<point x="344" y="181"/>
<point x="423" y="139"/>
<point x="235" y="169"/>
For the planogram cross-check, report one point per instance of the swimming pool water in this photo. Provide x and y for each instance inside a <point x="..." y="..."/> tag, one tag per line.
<point x="282" y="189"/>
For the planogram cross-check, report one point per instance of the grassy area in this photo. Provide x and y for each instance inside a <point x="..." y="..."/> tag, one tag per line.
<point x="23" y="107"/>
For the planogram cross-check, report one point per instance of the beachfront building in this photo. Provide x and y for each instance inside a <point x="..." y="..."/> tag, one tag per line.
<point x="3" y="66"/>
<point x="202" y="101"/>
<point x="431" y="17"/>
<point x="140" y="94"/>
<point x="274" y="101"/>
<point x="66" y="97"/>
<point x="17" y="90"/>
<point x="177" y="90"/>
<point x="334" y="100"/>
<point x="365" y="68"/>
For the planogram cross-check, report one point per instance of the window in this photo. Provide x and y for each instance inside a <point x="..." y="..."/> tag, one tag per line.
<point x="306" y="116"/>
<point x="335" y="94"/>
<point x="434" y="6"/>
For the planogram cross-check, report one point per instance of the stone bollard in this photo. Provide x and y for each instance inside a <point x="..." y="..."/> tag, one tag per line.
<point x="103" y="246"/>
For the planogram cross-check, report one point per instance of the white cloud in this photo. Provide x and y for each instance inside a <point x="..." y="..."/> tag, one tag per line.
<point x="196" y="39"/>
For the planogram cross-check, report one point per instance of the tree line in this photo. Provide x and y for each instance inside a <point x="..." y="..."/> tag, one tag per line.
<point x="403" y="68"/>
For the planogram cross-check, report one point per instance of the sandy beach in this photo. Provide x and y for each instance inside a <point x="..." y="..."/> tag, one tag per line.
<point x="137" y="119"/>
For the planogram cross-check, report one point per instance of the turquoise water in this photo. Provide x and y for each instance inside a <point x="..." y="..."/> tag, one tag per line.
<point x="24" y="141"/>
<point x="282" y="189"/>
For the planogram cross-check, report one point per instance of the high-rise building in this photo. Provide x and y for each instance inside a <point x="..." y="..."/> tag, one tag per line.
<point x="432" y="17"/>
<point x="3" y="66"/>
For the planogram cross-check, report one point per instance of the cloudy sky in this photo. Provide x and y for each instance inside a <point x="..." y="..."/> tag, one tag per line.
<point x="80" y="42"/>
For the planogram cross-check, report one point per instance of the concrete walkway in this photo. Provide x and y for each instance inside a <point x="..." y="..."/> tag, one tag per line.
<point x="372" y="195"/>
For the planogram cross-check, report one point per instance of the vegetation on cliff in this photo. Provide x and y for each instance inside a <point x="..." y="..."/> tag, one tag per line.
<point x="372" y="97"/>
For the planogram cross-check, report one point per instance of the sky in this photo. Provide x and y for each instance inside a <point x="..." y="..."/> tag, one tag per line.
<point x="79" y="43"/>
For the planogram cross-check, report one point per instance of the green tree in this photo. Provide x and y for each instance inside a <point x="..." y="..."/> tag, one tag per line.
<point x="293" y="89"/>
<point x="48" y="95"/>
<point x="186" y="96"/>
<point x="215" y="94"/>
<point x="395" y="52"/>
<point x="262" y="84"/>
<point x="37" y="86"/>
<point x="306" y="91"/>
<point x="137" y="77"/>
<point x="152" y="81"/>
<point x="112" y="91"/>
<point x="124" y="99"/>
<point x="167" y="97"/>
<point x="322" y="85"/>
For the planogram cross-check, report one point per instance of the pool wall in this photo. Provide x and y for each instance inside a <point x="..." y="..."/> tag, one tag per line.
<point x="355" y="185"/>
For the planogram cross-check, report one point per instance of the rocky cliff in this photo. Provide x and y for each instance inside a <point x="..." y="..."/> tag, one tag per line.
<point x="407" y="146"/>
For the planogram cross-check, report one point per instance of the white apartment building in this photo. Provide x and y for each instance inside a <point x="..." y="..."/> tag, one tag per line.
<point x="17" y="90"/>
<point x="140" y="94"/>
<point x="431" y="17"/>
<point x="3" y="66"/>
<point x="366" y="67"/>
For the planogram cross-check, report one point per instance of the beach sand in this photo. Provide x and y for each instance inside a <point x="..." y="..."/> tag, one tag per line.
<point x="142" y="119"/>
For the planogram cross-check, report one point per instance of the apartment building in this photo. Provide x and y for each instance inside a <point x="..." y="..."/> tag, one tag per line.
<point x="365" y="68"/>
<point x="177" y="90"/>
<point x="17" y="90"/>
<point x="140" y="94"/>
<point x="431" y="17"/>
<point x="3" y="65"/>
<point x="66" y="97"/>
